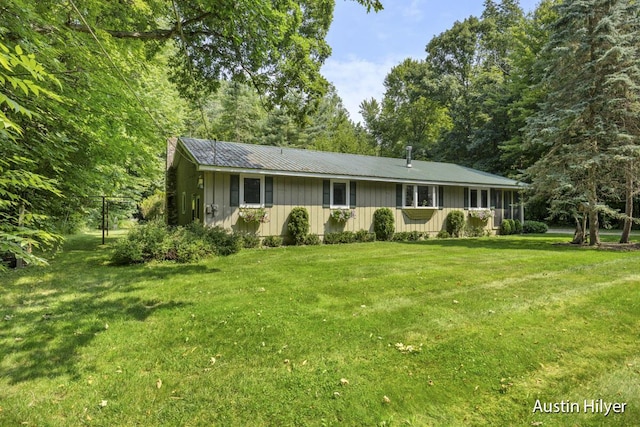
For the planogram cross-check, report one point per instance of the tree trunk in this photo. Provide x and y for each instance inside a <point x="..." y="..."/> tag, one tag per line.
<point x="579" y="234"/>
<point x="592" y="207"/>
<point x="628" y="220"/>
<point x="594" y="224"/>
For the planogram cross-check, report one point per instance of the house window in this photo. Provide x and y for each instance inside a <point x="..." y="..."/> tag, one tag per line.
<point x="339" y="194"/>
<point x="252" y="191"/>
<point x="420" y="196"/>
<point x="478" y="198"/>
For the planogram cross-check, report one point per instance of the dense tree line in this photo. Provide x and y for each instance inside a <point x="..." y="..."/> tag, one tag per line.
<point x="550" y="98"/>
<point x="124" y="77"/>
<point x="237" y="113"/>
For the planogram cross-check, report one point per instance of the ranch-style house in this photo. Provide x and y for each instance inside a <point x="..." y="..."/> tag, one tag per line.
<point x="253" y="188"/>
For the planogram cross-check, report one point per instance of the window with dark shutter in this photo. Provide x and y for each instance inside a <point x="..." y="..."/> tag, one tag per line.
<point x="466" y="197"/>
<point x="326" y="193"/>
<point x="398" y="195"/>
<point x="268" y="191"/>
<point x="352" y="194"/>
<point x="235" y="191"/>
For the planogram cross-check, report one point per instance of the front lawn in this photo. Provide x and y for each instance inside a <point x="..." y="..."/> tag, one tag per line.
<point x="441" y="332"/>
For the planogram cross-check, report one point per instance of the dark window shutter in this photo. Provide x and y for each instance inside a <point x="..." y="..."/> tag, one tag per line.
<point x="466" y="197"/>
<point x="352" y="194"/>
<point x="399" y="195"/>
<point x="441" y="197"/>
<point x="235" y="190"/>
<point x="268" y="191"/>
<point x="326" y="193"/>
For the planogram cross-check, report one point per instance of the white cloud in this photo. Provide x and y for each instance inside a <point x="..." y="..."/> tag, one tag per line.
<point x="358" y="79"/>
<point x="414" y="11"/>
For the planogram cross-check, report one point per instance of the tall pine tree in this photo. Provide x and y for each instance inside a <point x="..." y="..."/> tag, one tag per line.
<point x="575" y="120"/>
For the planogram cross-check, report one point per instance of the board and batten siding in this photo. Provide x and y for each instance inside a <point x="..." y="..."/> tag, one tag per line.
<point x="290" y="192"/>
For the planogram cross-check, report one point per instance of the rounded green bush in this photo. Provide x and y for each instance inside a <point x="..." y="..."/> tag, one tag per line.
<point x="443" y="234"/>
<point x="517" y="226"/>
<point x="534" y="227"/>
<point x="506" y="227"/>
<point x="312" y="240"/>
<point x="455" y="223"/>
<point x="272" y="241"/>
<point x="298" y="225"/>
<point x="383" y="224"/>
<point x="249" y="240"/>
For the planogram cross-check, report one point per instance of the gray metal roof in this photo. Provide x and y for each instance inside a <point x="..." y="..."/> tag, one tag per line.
<point x="218" y="155"/>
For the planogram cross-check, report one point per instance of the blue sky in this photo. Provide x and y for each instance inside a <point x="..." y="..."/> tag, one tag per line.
<point x="366" y="46"/>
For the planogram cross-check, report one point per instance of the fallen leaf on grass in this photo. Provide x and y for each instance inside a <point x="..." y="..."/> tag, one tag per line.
<point x="159" y="383"/>
<point x="344" y="381"/>
<point x="407" y="348"/>
<point x="385" y="399"/>
<point x="103" y="403"/>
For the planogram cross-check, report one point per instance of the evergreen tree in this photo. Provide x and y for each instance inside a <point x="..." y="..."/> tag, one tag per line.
<point x="241" y="115"/>
<point x="622" y="90"/>
<point x="576" y="123"/>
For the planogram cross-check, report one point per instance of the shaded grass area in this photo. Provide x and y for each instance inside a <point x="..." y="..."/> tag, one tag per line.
<point x="487" y="326"/>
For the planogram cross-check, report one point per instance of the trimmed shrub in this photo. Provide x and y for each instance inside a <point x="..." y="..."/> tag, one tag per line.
<point x="364" y="236"/>
<point x="474" y="231"/>
<point x="534" y="227"/>
<point x="409" y="236"/>
<point x="298" y="225"/>
<point x="517" y="226"/>
<point x="383" y="224"/>
<point x="272" y="241"/>
<point x="249" y="240"/>
<point x="339" y="237"/>
<point x="455" y="223"/>
<point x="506" y="227"/>
<point x="443" y="234"/>
<point x="312" y="240"/>
<point x="222" y="242"/>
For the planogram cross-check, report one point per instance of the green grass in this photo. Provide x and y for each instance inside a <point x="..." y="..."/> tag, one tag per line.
<point x="265" y="337"/>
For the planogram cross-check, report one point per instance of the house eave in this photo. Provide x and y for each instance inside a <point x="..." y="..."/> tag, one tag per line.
<point x="301" y="174"/>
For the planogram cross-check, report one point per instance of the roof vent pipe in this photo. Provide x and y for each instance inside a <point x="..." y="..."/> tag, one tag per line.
<point x="409" y="148"/>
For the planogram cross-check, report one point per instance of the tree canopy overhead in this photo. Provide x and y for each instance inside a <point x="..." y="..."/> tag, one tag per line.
<point x="113" y="63"/>
<point x="276" y="46"/>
